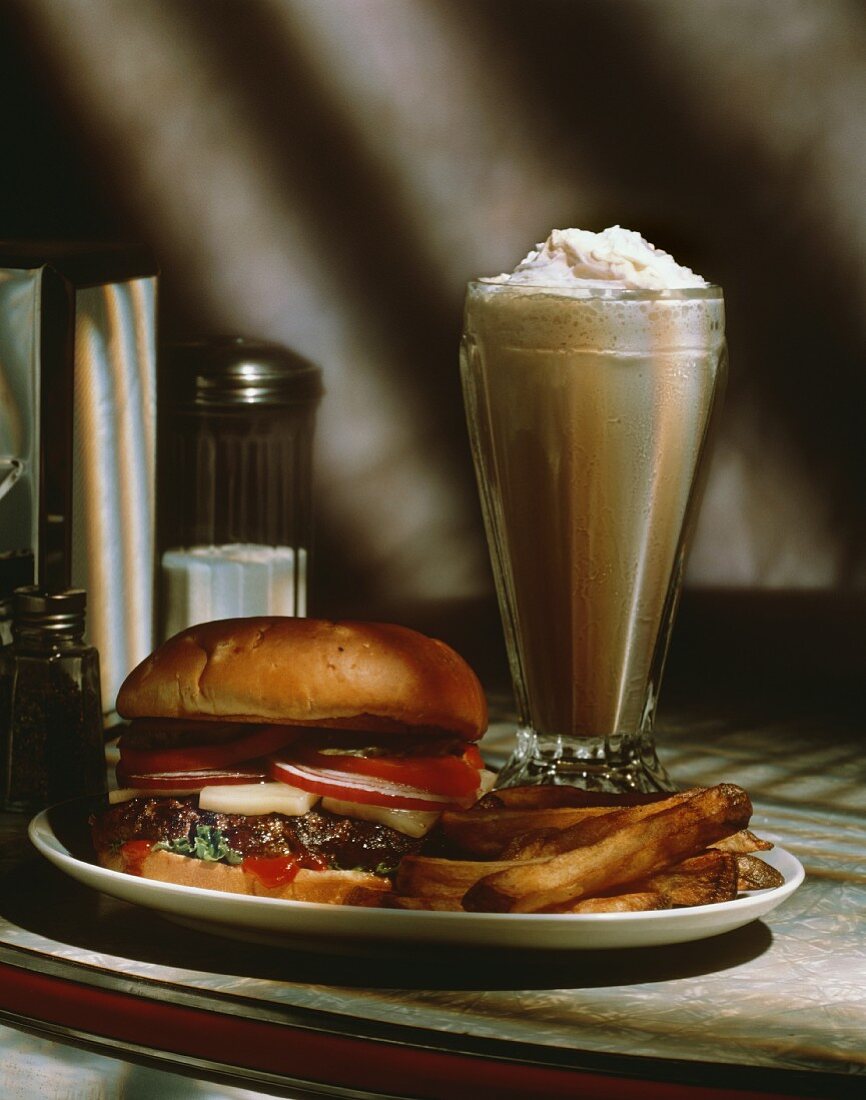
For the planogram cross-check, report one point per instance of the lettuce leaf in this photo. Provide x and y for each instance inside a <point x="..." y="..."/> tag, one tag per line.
<point x="209" y="844"/>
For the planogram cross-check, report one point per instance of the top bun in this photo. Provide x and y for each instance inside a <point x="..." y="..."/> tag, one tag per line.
<point x="371" y="676"/>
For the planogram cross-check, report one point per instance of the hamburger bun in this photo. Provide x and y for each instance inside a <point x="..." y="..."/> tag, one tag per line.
<point x="358" y="675"/>
<point x="332" y="887"/>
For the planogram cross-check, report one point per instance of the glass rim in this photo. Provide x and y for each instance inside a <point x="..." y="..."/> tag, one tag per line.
<point x="693" y="293"/>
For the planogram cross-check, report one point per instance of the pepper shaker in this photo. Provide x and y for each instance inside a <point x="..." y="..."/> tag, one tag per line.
<point x="51" y="736"/>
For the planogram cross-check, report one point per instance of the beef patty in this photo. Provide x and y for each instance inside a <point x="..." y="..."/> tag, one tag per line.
<point x="344" y="842"/>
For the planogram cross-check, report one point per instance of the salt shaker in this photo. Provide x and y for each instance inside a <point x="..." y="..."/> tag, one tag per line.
<point x="51" y="735"/>
<point x="234" y="475"/>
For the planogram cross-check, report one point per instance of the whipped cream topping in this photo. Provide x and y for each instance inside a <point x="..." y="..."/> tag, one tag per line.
<point x="615" y="259"/>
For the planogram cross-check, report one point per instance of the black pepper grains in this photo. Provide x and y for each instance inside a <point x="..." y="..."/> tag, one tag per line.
<point x="51" y="737"/>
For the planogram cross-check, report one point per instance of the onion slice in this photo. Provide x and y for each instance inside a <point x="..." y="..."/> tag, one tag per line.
<point x="189" y="782"/>
<point x="367" y="789"/>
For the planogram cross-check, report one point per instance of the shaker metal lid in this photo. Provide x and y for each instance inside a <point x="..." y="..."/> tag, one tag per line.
<point x="233" y="370"/>
<point x="60" y="612"/>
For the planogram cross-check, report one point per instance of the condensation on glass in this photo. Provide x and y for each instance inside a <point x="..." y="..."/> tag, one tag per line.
<point x="236" y="424"/>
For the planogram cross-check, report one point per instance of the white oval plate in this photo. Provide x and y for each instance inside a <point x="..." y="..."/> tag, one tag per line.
<point x="333" y="927"/>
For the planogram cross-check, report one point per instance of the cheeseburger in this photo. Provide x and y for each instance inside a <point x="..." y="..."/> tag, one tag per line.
<point x="292" y="758"/>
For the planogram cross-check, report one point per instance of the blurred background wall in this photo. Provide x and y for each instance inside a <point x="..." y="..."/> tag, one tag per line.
<point x="329" y="173"/>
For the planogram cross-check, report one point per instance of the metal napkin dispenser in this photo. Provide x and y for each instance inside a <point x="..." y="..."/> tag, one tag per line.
<point x="78" y="435"/>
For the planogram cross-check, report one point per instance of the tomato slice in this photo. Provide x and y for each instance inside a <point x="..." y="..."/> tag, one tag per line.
<point x="260" y="741"/>
<point x="455" y="777"/>
<point x="191" y="781"/>
<point x="473" y="756"/>
<point x="369" y="790"/>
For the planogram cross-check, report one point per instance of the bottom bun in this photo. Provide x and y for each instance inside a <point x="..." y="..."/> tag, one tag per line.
<point x="332" y="887"/>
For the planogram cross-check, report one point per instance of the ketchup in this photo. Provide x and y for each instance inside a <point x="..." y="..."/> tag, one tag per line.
<point x="134" y="853"/>
<point x="275" y="871"/>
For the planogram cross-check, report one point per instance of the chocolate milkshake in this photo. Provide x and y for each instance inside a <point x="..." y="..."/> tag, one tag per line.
<point x="591" y="375"/>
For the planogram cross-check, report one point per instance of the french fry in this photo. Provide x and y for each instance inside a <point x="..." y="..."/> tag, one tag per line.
<point x="754" y="874"/>
<point x="619" y="903"/>
<point x="369" y="899"/>
<point x="432" y="877"/>
<point x="551" y="797"/>
<point x="587" y="831"/>
<point x="743" y="843"/>
<point x="701" y="880"/>
<point x="484" y="835"/>
<point x="635" y="852"/>
<point x="705" y="879"/>
<point x="447" y="903"/>
<point x="529" y="845"/>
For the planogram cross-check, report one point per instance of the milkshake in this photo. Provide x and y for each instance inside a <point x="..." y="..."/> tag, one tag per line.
<point x="591" y="375"/>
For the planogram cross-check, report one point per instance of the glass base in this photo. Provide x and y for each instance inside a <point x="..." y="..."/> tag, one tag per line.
<point x="617" y="764"/>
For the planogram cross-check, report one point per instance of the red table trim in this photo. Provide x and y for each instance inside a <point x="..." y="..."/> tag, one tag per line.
<point x="314" y="1056"/>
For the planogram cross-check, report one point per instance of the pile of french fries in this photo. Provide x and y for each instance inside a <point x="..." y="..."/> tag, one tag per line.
<point x="563" y="850"/>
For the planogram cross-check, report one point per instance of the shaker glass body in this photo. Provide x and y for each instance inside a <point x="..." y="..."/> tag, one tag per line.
<point x="235" y="483"/>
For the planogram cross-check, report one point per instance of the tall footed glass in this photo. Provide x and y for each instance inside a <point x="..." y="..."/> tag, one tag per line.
<point x="589" y="413"/>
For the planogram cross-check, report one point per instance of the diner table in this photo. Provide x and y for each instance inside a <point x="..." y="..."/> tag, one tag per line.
<point x="99" y="997"/>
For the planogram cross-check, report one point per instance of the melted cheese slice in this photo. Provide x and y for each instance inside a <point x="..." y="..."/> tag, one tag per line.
<point x="410" y="822"/>
<point x="126" y="794"/>
<point x="253" y="799"/>
<point x="415" y="823"/>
